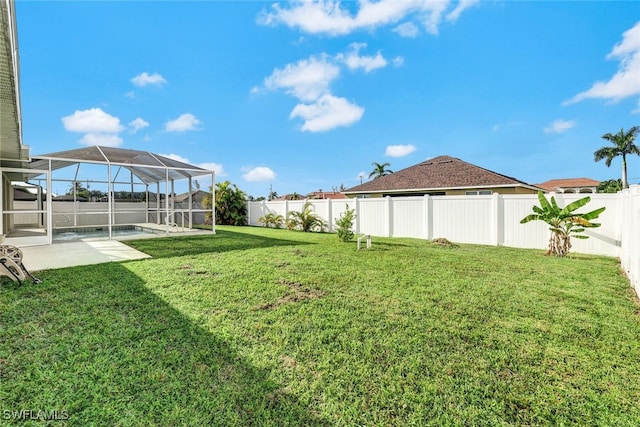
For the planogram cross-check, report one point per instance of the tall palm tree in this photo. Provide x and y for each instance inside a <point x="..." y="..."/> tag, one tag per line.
<point x="380" y="170"/>
<point x="623" y="144"/>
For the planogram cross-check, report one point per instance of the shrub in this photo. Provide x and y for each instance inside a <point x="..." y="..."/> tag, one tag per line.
<point x="344" y="225"/>
<point x="305" y="220"/>
<point x="272" y="220"/>
<point x="231" y="205"/>
<point x="563" y="222"/>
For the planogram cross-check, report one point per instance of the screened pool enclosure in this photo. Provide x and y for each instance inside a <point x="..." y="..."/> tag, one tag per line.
<point x="106" y="190"/>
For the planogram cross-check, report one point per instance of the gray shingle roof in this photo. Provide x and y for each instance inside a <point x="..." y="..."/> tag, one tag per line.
<point x="442" y="172"/>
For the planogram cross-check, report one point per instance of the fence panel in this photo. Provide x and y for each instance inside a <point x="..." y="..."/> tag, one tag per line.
<point x="606" y="239"/>
<point x="630" y="231"/>
<point x="372" y="217"/>
<point x="463" y="219"/>
<point x="533" y="235"/>
<point x="408" y="217"/>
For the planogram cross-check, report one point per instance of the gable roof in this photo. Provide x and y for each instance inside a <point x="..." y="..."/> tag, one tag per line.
<point x="439" y="173"/>
<point x="554" y="184"/>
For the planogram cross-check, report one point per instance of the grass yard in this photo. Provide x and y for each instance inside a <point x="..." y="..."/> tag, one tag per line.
<point x="269" y="327"/>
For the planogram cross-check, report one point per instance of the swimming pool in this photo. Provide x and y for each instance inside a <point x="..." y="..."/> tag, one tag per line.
<point x="100" y="232"/>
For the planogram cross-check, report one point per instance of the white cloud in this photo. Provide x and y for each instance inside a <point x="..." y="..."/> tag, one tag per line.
<point x="307" y="80"/>
<point x="137" y="124"/>
<point x="146" y="79"/>
<point x="131" y="94"/>
<point x="353" y="60"/>
<point x="399" y="150"/>
<point x="398" y="61"/>
<point x="93" y="120"/>
<point x="460" y="7"/>
<point x="260" y="173"/>
<point x="100" y="128"/>
<point x="408" y="29"/>
<point x="216" y="167"/>
<point x="626" y="82"/>
<point x="499" y="126"/>
<point x="329" y="17"/>
<point x="559" y="126"/>
<point x="310" y="79"/>
<point x="176" y="157"/>
<point x="183" y="123"/>
<point x="328" y="112"/>
<point x="104" y="139"/>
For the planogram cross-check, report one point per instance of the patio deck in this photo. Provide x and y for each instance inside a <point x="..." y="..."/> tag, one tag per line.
<point x="37" y="255"/>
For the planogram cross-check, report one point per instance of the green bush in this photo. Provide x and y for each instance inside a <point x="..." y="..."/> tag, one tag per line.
<point x="305" y="220"/>
<point x="272" y="220"/>
<point x="231" y="205"/>
<point x="344" y="225"/>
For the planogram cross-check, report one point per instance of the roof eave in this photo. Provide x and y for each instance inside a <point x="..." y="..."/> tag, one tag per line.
<point x="417" y="190"/>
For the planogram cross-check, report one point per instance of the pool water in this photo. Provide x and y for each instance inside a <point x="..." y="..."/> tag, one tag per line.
<point x="81" y="233"/>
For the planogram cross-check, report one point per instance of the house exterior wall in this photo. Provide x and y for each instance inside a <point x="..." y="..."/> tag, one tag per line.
<point x="81" y="214"/>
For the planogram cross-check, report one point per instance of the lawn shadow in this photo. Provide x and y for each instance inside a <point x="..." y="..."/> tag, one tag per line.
<point x="222" y="241"/>
<point x="101" y="347"/>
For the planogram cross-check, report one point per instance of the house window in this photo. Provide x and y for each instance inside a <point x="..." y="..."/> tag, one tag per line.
<point x="476" y="193"/>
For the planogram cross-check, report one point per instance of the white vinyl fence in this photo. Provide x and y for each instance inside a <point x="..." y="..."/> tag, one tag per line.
<point x="486" y="220"/>
<point x="82" y="214"/>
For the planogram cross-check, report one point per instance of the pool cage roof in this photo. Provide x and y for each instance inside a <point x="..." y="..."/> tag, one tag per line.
<point x="148" y="167"/>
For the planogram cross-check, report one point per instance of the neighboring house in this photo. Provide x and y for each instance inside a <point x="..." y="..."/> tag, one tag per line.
<point x="570" y="185"/>
<point x="441" y="176"/>
<point x="181" y="201"/>
<point x="197" y="198"/>
<point x="321" y="195"/>
<point x="314" y="195"/>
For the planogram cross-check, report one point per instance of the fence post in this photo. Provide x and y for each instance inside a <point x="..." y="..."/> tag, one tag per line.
<point x="497" y="219"/>
<point x="329" y="216"/>
<point x="388" y="214"/>
<point x="357" y="209"/>
<point x="428" y="218"/>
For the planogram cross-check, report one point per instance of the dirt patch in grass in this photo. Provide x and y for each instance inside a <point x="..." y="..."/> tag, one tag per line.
<point x="297" y="293"/>
<point x="190" y="271"/>
<point x="441" y="241"/>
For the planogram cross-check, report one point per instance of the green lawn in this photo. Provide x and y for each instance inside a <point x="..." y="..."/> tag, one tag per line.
<point x="266" y="327"/>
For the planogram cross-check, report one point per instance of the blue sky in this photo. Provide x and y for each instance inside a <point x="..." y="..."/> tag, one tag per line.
<point x="301" y="96"/>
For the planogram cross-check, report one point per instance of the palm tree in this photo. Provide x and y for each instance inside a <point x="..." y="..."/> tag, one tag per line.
<point x="623" y="144"/>
<point x="380" y="170"/>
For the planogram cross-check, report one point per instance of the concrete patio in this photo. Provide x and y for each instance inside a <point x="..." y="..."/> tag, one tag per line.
<point x="88" y="251"/>
<point x="70" y="254"/>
